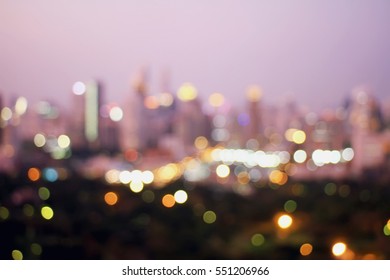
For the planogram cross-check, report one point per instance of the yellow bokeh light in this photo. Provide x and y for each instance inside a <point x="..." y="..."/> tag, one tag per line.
<point x="17" y="255"/>
<point x="36" y="249"/>
<point x="285" y="221"/>
<point x="209" y="217"/>
<point x="306" y="249"/>
<point x="180" y="196"/>
<point x="47" y="213"/>
<point x="112" y="176"/>
<point x="6" y="114"/>
<point x="39" y="140"/>
<point x="223" y="170"/>
<point x="278" y="177"/>
<point x="111" y="198"/>
<point x="136" y="186"/>
<point x="243" y="178"/>
<point x="4" y="213"/>
<point x="339" y="249"/>
<point x="299" y="137"/>
<point x="34" y="174"/>
<point x="254" y="93"/>
<point x="21" y="106"/>
<point x="201" y="142"/>
<point x="216" y="99"/>
<point x="63" y="141"/>
<point x="168" y="200"/>
<point x="187" y="92"/>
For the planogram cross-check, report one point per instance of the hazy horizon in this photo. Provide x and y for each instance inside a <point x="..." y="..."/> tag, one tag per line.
<point x="314" y="51"/>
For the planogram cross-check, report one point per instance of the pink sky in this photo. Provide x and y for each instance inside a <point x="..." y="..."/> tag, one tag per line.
<point x="316" y="51"/>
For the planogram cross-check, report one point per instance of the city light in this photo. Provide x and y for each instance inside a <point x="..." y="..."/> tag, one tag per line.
<point x="216" y="99"/>
<point x="187" y="92"/>
<point x="116" y="114"/>
<point x="34" y="174"/>
<point x="339" y="249"/>
<point x="180" y="196"/>
<point x="285" y="221"/>
<point x="306" y="249"/>
<point x="222" y="171"/>
<point x="63" y="141"/>
<point x="21" y="106"/>
<point x="47" y="212"/>
<point x="79" y="88"/>
<point x="6" y="114"/>
<point x="257" y="239"/>
<point x="39" y="140"/>
<point x="111" y="198"/>
<point x="168" y="200"/>
<point x="17" y="255"/>
<point x="209" y="217"/>
<point x="300" y="156"/>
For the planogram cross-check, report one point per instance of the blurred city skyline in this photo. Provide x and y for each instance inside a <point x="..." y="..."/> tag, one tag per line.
<point x="314" y="52"/>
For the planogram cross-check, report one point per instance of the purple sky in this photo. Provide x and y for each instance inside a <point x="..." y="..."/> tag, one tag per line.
<point x="315" y="50"/>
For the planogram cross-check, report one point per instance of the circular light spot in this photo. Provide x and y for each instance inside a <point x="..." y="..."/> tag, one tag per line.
<point x="187" y="92"/>
<point x="330" y="189"/>
<point x="33" y="174"/>
<point x="148" y="196"/>
<point x="216" y="99"/>
<point x="285" y="221"/>
<point x="36" y="249"/>
<point x="254" y="93"/>
<point x="111" y="198"/>
<point x="168" y="200"/>
<point x="17" y="255"/>
<point x="223" y="170"/>
<point x="181" y="196"/>
<point x="147" y="177"/>
<point x="116" y="114"/>
<point x="300" y="156"/>
<point x="136" y="186"/>
<point x="201" y="143"/>
<point x="47" y="213"/>
<point x="44" y="193"/>
<point x="299" y="137"/>
<point x="21" y="106"/>
<point x="63" y="141"/>
<point x="39" y="140"/>
<point x="306" y="249"/>
<point x="209" y="217"/>
<point x="4" y="213"/>
<point x="257" y="239"/>
<point x="79" y="88"/>
<point x="339" y="248"/>
<point x="50" y="174"/>
<point x="290" y="206"/>
<point x="6" y="114"/>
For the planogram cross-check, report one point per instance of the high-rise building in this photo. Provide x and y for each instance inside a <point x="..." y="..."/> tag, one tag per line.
<point x="86" y="125"/>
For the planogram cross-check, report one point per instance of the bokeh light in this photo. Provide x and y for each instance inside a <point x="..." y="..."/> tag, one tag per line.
<point x="168" y="200"/>
<point x="111" y="198"/>
<point x="17" y="255"/>
<point x="44" y="193"/>
<point x="223" y="171"/>
<point x="306" y="249"/>
<point x="21" y="106"/>
<point x="216" y="99"/>
<point x="187" y="92"/>
<point x="209" y="217"/>
<point x="47" y="212"/>
<point x="180" y="196"/>
<point x="136" y="186"/>
<point x="290" y="206"/>
<point x="34" y="174"/>
<point x="79" y="88"/>
<point x="4" y="213"/>
<point x="300" y="156"/>
<point x="201" y="142"/>
<point x="257" y="239"/>
<point x="339" y="249"/>
<point x="63" y="141"/>
<point x="285" y="221"/>
<point x="39" y="140"/>
<point x="116" y="114"/>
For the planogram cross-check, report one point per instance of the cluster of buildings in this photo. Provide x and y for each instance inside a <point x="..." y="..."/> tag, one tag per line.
<point x="147" y="128"/>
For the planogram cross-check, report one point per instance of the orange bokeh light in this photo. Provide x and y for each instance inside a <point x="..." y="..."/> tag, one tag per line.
<point x="111" y="198"/>
<point x="34" y="174"/>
